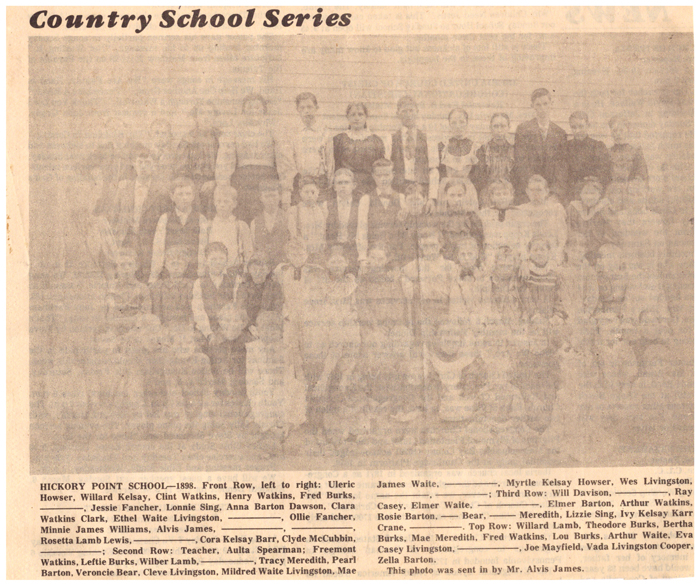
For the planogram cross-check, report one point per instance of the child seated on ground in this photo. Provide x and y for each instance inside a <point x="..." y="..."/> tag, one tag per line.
<point x="504" y="224"/>
<point x="591" y="215"/>
<point x="537" y="374"/>
<point x="259" y="291"/>
<point x="427" y="282"/>
<point x="579" y="282"/>
<point x="302" y="285"/>
<point x="499" y="410"/>
<point x="650" y="331"/>
<point x="127" y="297"/>
<point x="545" y="215"/>
<point x="146" y="361"/>
<point x="190" y="387"/>
<point x="458" y="215"/>
<point x="612" y="279"/>
<point x="229" y="230"/>
<point x="307" y="219"/>
<point x="116" y="390"/>
<point x="541" y="289"/>
<point x="617" y="365"/>
<point x="576" y="429"/>
<point x="381" y="310"/>
<point x="469" y="295"/>
<point x="343" y="328"/>
<point x="277" y="397"/>
<point x="209" y="295"/>
<point x="67" y="401"/>
<point x="456" y="372"/>
<point x="171" y="296"/>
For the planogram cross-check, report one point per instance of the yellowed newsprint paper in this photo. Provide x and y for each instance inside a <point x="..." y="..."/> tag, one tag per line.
<point x="367" y="293"/>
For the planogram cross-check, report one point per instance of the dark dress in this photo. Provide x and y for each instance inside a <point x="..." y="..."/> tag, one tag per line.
<point x="586" y="158"/>
<point x="196" y="159"/>
<point x="495" y="162"/>
<point x="358" y="156"/>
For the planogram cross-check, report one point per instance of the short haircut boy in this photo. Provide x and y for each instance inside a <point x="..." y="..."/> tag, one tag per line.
<point x="180" y="252"/>
<point x="306" y="96"/>
<point x="619" y="119"/>
<point x="500" y="115"/>
<point x="213" y="247"/>
<point x="538" y="93"/>
<point x="498" y="183"/>
<point x="307" y="180"/>
<point x="538" y="179"/>
<point x="181" y="182"/>
<point x="345" y="171"/>
<point x="579" y="115"/>
<point x="381" y="163"/>
<point x="405" y="101"/>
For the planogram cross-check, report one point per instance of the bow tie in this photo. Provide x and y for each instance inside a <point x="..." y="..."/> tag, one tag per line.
<point x="466" y="273"/>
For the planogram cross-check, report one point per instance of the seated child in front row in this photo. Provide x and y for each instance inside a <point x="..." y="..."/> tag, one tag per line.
<point x="382" y="313"/>
<point x="127" y="297"/>
<point x="541" y="289"/>
<point x="537" y="374"/>
<point x="498" y="425"/>
<point x="209" y="295"/>
<point x="171" y="297"/>
<point x="302" y="285"/>
<point x="277" y="397"/>
<point x="190" y="403"/>
<point x="456" y="371"/>
<point x="343" y="328"/>
<point x="427" y="281"/>
<point x="617" y="364"/>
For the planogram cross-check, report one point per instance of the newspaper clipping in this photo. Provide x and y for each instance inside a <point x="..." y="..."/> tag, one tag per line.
<point x="351" y="292"/>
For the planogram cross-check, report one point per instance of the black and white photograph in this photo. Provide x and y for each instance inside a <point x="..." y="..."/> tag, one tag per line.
<point x="360" y="252"/>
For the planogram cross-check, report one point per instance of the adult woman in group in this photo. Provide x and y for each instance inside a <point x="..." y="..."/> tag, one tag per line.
<point x="249" y="156"/>
<point x="357" y="148"/>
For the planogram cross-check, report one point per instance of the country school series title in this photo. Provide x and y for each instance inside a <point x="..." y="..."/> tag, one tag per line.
<point x="178" y="19"/>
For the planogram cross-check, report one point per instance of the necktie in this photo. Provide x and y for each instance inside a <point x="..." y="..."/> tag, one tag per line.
<point x="410" y="145"/>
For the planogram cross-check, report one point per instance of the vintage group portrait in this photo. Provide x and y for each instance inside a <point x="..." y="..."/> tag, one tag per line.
<point x="317" y="252"/>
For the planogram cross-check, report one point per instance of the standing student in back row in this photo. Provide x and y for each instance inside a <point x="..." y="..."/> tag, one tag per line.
<point x="540" y="149"/>
<point x="409" y="149"/>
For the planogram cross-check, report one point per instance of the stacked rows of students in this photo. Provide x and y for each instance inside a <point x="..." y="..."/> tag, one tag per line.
<point x="256" y="151"/>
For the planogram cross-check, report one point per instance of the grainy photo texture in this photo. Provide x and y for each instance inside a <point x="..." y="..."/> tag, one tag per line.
<point x="360" y="252"/>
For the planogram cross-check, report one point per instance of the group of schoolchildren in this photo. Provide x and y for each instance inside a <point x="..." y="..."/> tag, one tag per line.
<point x="508" y="296"/>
